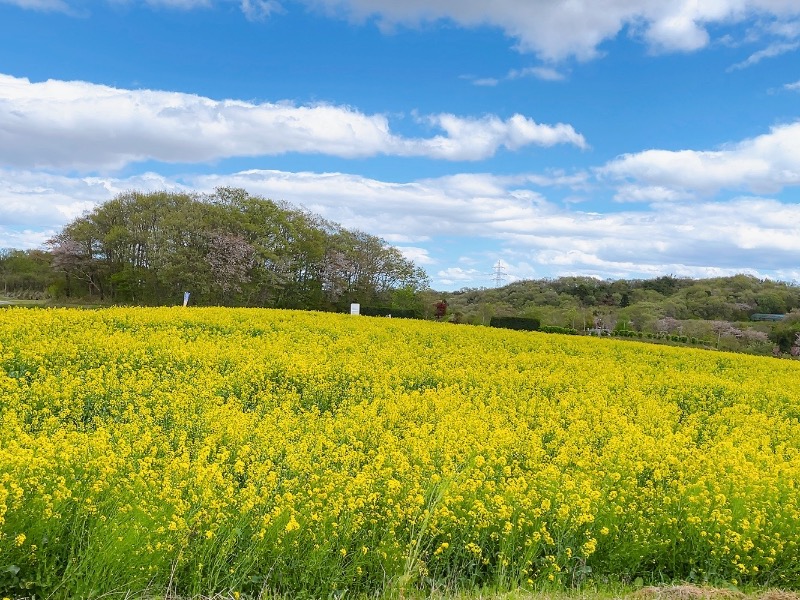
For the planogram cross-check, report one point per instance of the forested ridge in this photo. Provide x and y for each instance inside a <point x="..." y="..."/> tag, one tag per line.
<point x="638" y="301"/>
<point x="226" y="248"/>
<point x="717" y="311"/>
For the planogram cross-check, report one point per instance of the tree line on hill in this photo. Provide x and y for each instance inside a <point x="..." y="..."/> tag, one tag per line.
<point x="716" y="310"/>
<point x="226" y="248"/>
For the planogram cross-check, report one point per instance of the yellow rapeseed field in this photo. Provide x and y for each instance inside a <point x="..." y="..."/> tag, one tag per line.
<point x="200" y="451"/>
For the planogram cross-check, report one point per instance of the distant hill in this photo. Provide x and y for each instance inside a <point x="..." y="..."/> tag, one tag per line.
<point x="692" y="307"/>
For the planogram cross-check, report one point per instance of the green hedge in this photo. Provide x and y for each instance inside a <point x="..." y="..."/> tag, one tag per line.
<point x="627" y="333"/>
<point x="555" y="329"/>
<point x="518" y="323"/>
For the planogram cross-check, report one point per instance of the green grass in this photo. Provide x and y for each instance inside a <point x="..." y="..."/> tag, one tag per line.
<point x="608" y="592"/>
<point x="6" y="301"/>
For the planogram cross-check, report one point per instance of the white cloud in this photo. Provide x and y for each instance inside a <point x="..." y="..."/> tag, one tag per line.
<point x="648" y="194"/>
<point x="403" y="238"/>
<point x="544" y="73"/>
<point x="37" y="202"/>
<point x="26" y="239"/>
<point x="745" y="235"/>
<point x="451" y="206"/>
<point x="256" y="10"/>
<point x="552" y="29"/>
<point x="788" y="29"/>
<point x="79" y="125"/>
<point x="770" y="51"/>
<point x="759" y="236"/>
<point x="557" y="178"/>
<point x="540" y="72"/>
<point x="486" y="82"/>
<point x="419" y="256"/>
<point x="457" y="275"/>
<point x="473" y="139"/>
<point x="555" y="30"/>
<point x="793" y="86"/>
<point x="764" y="164"/>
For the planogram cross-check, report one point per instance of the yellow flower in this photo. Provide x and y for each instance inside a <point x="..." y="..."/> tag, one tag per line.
<point x="155" y="424"/>
<point x="292" y="525"/>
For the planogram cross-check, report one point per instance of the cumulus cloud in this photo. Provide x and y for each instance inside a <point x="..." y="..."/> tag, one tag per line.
<point x="556" y="30"/>
<point x="793" y="86"/>
<point x="79" y="125"/>
<point x="702" y="240"/>
<point x="473" y="139"/>
<point x="32" y="199"/>
<point x="764" y="164"/>
<point x="552" y="29"/>
<point x="419" y="256"/>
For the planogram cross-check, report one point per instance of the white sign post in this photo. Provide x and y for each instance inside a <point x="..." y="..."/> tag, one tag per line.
<point x="355" y="309"/>
<point x="185" y="298"/>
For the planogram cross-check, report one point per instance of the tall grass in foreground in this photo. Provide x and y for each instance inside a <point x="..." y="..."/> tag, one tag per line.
<point x="203" y="451"/>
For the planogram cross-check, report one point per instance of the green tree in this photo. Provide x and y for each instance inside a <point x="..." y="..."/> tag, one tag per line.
<point x="25" y="272"/>
<point x="785" y="332"/>
<point x="227" y="248"/>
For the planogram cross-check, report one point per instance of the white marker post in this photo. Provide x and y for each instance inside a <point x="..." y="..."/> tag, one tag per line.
<point x="355" y="309"/>
<point x="185" y="299"/>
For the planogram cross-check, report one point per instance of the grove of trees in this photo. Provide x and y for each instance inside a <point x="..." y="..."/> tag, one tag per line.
<point x="226" y="248"/>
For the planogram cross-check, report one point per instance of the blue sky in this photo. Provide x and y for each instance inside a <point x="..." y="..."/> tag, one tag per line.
<point x="622" y="138"/>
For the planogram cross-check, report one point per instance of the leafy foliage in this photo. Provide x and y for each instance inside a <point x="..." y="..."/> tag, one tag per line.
<point x="786" y="333"/>
<point x="226" y="248"/>
<point x="26" y="273"/>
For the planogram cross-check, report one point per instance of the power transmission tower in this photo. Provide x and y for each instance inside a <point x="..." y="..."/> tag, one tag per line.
<point x="499" y="274"/>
